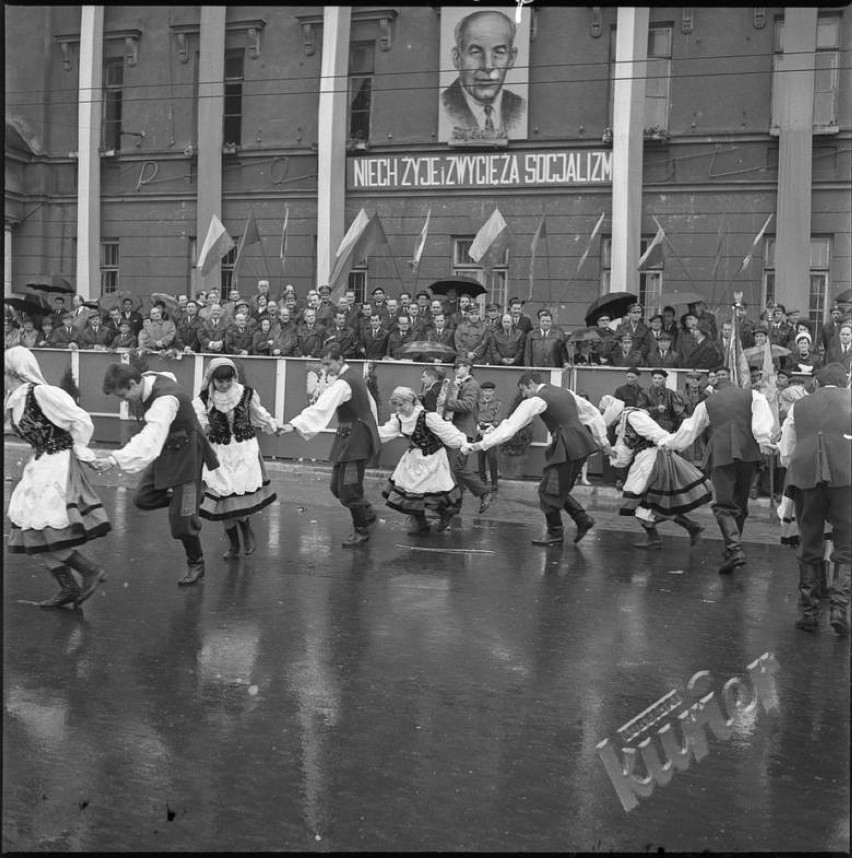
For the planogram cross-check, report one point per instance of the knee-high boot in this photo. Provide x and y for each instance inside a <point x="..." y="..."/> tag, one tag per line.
<point x="91" y="573"/>
<point x="580" y="517"/>
<point x="249" y="543"/>
<point x="69" y="591"/>
<point x="693" y="528"/>
<point x="233" y="535"/>
<point x="808" y="597"/>
<point x="839" y="611"/>
<point x="194" y="561"/>
<point x="653" y="542"/>
<point x="734" y="554"/>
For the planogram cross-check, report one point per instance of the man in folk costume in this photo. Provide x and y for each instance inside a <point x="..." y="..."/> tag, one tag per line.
<point x="53" y="509"/>
<point x="171" y="451"/>
<point x="659" y="485"/>
<point x="230" y="413"/>
<point x="815" y="449"/>
<point x="566" y="417"/>
<point x="356" y="441"/>
<point x="741" y="424"/>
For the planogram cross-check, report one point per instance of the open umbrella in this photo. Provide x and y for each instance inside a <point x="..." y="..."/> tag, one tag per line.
<point x="172" y="306"/>
<point x="585" y="335"/>
<point x="613" y="304"/>
<point x="54" y="283"/>
<point x="462" y="285"/>
<point x="82" y="318"/>
<point x="757" y="352"/>
<point x="114" y="299"/>
<point x="28" y="305"/>
<point x="424" y="350"/>
<point x="678" y="297"/>
<point x="844" y="297"/>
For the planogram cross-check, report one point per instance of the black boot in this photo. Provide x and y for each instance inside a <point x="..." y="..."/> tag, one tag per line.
<point x="555" y="534"/>
<point x="734" y="554"/>
<point x="359" y="536"/>
<point x="580" y="517"/>
<point x="692" y="527"/>
<point x="69" y="591"/>
<point x="194" y="561"/>
<point x="249" y="543"/>
<point x="233" y="551"/>
<point x="652" y="542"/>
<point x="91" y="574"/>
<point x="839" y="610"/>
<point x="419" y="525"/>
<point x="808" y="597"/>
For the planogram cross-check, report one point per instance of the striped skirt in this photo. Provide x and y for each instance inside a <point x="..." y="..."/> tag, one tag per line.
<point x="664" y="482"/>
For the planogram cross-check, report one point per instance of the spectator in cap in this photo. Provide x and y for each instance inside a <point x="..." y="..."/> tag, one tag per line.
<point x="66" y="336"/>
<point x="125" y="340"/>
<point x="638" y="330"/>
<point x="631" y="391"/>
<point x="96" y="336"/>
<point x="781" y="332"/>
<point x="661" y="354"/>
<point x="706" y="354"/>
<point x="625" y="353"/>
<point x="545" y="344"/>
<point x="655" y="326"/>
<point x="815" y="449"/>
<point x="471" y="336"/>
<point x="664" y="405"/>
<point x="831" y="327"/>
<point x="802" y="359"/>
<point x="693" y="393"/>
<point x="423" y="300"/>
<point x="325" y="310"/>
<point x="841" y="351"/>
<point x="490" y="415"/>
<point x="188" y="328"/>
<point x="492" y="317"/>
<point x="507" y="344"/>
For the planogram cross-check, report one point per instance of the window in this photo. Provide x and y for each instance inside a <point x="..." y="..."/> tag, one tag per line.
<point x="358" y="281"/>
<point x="650" y="282"/>
<point x="228" y="262"/>
<point x="362" y="66"/>
<point x="826" y="71"/>
<point x="109" y="266"/>
<point x="769" y="270"/>
<point x="658" y="75"/>
<point x="464" y="266"/>
<point x="233" y="112"/>
<point x="819" y="264"/>
<point x="113" y="86"/>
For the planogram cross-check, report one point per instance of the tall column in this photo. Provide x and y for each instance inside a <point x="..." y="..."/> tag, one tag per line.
<point x="631" y="53"/>
<point x="7" y="259"/>
<point x="795" y="105"/>
<point x="331" y="160"/>
<point x="211" y="106"/>
<point x="89" y="118"/>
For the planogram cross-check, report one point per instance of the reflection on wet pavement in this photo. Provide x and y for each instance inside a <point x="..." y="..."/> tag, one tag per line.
<point x="309" y="698"/>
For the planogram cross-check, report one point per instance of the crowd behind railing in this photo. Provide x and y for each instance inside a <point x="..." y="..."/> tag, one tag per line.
<point x="386" y="328"/>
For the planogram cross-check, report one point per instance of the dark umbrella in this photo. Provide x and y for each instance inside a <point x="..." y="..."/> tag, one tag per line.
<point x="53" y="284"/>
<point x="759" y="351"/>
<point x="613" y="304"/>
<point x="844" y="297"/>
<point x="585" y="335"/>
<point x="676" y="297"/>
<point x="462" y="285"/>
<point x="428" y="351"/>
<point x="28" y="305"/>
<point x="172" y="306"/>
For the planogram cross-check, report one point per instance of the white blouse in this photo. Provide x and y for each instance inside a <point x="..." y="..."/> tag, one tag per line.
<point x="316" y="417"/>
<point x="446" y="431"/>
<point x="260" y="417"/>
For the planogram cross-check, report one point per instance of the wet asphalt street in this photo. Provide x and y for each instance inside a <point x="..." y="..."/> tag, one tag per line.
<point x="442" y="694"/>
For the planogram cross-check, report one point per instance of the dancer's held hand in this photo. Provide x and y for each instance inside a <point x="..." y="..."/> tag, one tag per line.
<point x="103" y="464"/>
<point x="286" y="428"/>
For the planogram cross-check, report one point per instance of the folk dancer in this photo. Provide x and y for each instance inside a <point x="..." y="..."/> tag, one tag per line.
<point x="422" y="479"/>
<point x="815" y="449"/>
<point x="741" y="425"/>
<point x="566" y="417"/>
<point x="54" y="508"/>
<point x="170" y="451"/>
<point x="230" y="414"/>
<point x="355" y="443"/>
<point x="660" y="485"/>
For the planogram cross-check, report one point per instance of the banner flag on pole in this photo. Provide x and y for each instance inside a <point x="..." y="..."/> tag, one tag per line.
<point x="735" y="359"/>
<point x="217" y="244"/>
<point x="592" y="237"/>
<point x="283" y="252"/>
<point x="251" y="235"/>
<point x="491" y="241"/>
<point x="421" y="243"/>
<point x="757" y="240"/>
<point x="540" y="235"/>
<point x="653" y="257"/>
<point x="362" y="239"/>
<point x="769" y="386"/>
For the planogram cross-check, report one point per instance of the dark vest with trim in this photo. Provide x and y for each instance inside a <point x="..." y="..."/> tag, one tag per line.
<point x="357" y="434"/>
<point x="822" y="454"/>
<point x="423" y="437"/>
<point x="220" y="428"/>
<point x="186" y="449"/>
<point x="42" y="435"/>
<point x="731" y="439"/>
<point x="571" y="440"/>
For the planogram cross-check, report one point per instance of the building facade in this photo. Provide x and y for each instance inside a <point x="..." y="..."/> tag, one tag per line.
<point x="129" y="127"/>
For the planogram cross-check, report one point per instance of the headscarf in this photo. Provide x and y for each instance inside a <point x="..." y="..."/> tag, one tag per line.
<point x="21" y="363"/>
<point x="611" y="409"/>
<point x="404" y="394"/>
<point x="222" y="400"/>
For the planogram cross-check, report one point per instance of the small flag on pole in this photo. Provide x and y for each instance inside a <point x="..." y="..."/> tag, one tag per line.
<point x="540" y="235"/>
<point x="491" y="241"/>
<point x="361" y="240"/>
<point x="283" y="252"/>
<point x="653" y="256"/>
<point x="592" y="237"/>
<point x="757" y="240"/>
<point x="735" y="359"/>
<point x="421" y="243"/>
<point x="217" y="244"/>
<point x="251" y="235"/>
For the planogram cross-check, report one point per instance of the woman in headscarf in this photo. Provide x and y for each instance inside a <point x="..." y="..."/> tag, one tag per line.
<point x="230" y="413"/>
<point x="53" y="508"/>
<point x="660" y="485"/>
<point x="422" y="480"/>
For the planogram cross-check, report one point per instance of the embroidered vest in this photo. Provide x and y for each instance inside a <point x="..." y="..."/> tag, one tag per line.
<point x="423" y="437"/>
<point x="220" y="429"/>
<point x="632" y="438"/>
<point x="42" y="435"/>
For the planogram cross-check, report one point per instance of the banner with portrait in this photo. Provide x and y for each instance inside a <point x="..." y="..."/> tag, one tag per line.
<point x="484" y="78"/>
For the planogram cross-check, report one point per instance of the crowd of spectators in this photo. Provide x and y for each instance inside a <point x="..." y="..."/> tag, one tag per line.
<point x="380" y="328"/>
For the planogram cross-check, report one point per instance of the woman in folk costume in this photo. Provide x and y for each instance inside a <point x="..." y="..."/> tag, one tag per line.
<point x="660" y="485"/>
<point x="230" y="413"/>
<point x="53" y="508"/>
<point x="422" y="480"/>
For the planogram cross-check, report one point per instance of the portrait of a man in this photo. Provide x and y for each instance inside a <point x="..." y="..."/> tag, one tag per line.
<point x="487" y="99"/>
